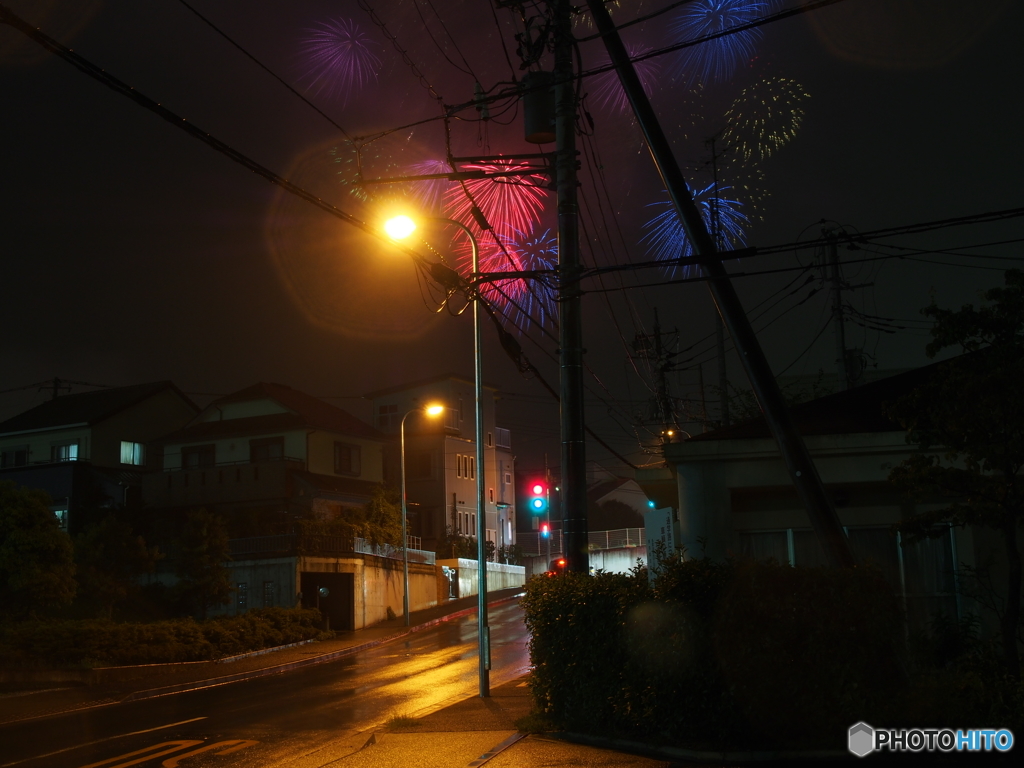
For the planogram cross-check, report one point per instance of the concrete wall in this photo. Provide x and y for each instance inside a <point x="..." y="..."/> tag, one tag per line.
<point x="618" y="560"/>
<point x="499" y="575"/>
<point x="378" y="583"/>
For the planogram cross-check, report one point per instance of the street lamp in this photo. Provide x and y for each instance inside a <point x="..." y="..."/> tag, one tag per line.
<point x="398" y="228"/>
<point x="430" y="410"/>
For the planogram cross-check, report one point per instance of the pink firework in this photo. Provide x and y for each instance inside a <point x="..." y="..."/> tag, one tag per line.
<point x="608" y="92"/>
<point x="509" y="202"/>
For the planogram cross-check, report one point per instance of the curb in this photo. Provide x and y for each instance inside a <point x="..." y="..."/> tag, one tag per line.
<point x="680" y="753"/>
<point x="153" y="693"/>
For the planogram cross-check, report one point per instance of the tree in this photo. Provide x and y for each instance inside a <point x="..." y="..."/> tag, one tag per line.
<point x="110" y="557"/>
<point x="202" y="551"/>
<point x="970" y="415"/>
<point x="37" y="565"/>
<point x="381" y="521"/>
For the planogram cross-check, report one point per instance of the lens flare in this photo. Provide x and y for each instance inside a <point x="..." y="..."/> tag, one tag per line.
<point x="666" y="239"/>
<point x="716" y="60"/>
<point x="340" y="58"/>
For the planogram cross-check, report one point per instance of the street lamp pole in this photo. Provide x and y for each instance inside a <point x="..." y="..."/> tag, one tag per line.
<point x="431" y="410"/>
<point x="405" y="228"/>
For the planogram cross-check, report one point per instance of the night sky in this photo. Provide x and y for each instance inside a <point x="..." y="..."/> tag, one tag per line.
<point x="131" y="252"/>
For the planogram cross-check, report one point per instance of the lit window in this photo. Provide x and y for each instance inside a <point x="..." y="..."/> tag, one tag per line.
<point x="64" y="451"/>
<point x="61" y="513"/>
<point x="133" y="453"/>
<point x="490" y="495"/>
<point x="458" y="465"/>
<point x="347" y="459"/>
<point x="472" y="467"/>
<point x="490" y="440"/>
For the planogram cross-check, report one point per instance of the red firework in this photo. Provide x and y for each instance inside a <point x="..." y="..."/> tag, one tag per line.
<point x="509" y="202"/>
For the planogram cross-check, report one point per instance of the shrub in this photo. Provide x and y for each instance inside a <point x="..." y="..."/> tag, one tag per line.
<point x="78" y="643"/>
<point x="714" y="653"/>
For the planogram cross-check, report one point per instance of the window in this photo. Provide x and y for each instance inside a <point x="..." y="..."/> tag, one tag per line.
<point x="387" y="415"/>
<point x="242" y="595"/>
<point x="490" y="440"/>
<point x="347" y="459"/>
<point x="508" y="478"/>
<point x="490" y="495"/>
<point x="64" y="451"/>
<point x="133" y="453"/>
<point x="472" y="467"/>
<point x="458" y="464"/>
<point x="15" y="456"/>
<point x="266" y="449"/>
<point x="268" y="594"/>
<point x="195" y="456"/>
<point x="61" y="513"/>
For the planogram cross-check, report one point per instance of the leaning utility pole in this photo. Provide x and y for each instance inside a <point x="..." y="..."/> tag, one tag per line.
<point x="795" y="454"/>
<point x="570" y="333"/>
<point x="842" y="362"/>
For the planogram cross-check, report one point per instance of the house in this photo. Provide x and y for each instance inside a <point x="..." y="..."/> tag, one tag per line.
<point x="440" y="459"/>
<point x="267" y="455"/>
<point x="91" y="449"/>
<point x="735" y="496"/>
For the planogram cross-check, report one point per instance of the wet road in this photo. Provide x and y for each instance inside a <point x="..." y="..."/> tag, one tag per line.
<point x="308" y="717"/>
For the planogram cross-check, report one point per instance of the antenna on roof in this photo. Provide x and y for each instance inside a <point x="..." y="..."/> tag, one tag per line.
<point x="56" y="385"/>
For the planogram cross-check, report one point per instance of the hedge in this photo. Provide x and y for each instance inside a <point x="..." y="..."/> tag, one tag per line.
<point x="754" y="654"/>
<point x="91" y="643"/>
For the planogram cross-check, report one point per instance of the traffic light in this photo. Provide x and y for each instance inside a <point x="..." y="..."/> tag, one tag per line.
<point x="545" y="530"/>
<point x="538" y="503"/>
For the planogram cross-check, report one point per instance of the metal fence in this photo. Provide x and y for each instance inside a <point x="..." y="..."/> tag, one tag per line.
<point x="323" y="546"/>
<point x="532" y="543"/>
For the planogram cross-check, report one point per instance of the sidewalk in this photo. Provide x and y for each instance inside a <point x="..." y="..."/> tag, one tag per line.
<point x="27" y="701"/>
<point x="475" y="732"/>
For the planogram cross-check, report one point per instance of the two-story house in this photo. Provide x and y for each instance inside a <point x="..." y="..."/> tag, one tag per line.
<point x="91" y="449"/>
<point x="440" y="459"/>
<point x="266" y="455"/>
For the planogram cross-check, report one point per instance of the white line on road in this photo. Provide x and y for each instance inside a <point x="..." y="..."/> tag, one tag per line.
<point x="100" y="741"/>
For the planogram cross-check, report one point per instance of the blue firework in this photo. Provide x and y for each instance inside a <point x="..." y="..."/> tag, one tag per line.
<point x="666" y="239"/>
<point x="716" y="60"/>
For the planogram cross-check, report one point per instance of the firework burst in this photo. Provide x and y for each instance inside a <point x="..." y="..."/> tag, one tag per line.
<point x="510" y="203"/>
<point x="716" y="60"/>
<point x="428" y="194"/>
<point x="608" y="91"/>
<point x="666" y="239"/>
<point x="521" y="300"/>
<point x="340" y="58"/>
<point x="765" y="117"/>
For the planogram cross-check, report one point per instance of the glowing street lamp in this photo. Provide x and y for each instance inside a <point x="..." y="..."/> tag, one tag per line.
<point x="398" y="228"/>
<point x="432" y="411"/>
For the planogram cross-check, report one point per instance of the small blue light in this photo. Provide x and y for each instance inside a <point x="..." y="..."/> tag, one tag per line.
<point x="650" y="504"/>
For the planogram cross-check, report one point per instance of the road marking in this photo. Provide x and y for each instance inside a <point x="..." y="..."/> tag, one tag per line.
<point x="174" y="747"/>
<point x="233" y="745"/>
<point x="100" y="741"/>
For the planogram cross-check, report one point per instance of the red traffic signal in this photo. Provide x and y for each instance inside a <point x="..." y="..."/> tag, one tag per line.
<point x="545" y="529"/>
<point x="538" y="498"/>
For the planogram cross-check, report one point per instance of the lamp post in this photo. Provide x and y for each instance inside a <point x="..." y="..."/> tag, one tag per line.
<point x="398" y="228"/>
<point x="430" y="410"/>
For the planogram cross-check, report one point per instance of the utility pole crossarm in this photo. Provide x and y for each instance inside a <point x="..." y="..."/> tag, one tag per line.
<point x="794" y="452"/>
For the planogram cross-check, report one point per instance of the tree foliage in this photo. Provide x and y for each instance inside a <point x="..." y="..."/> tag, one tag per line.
<point x="37" y="566"/>
<point x="110" y="557"/>
<point x="970" y="416"/>
<point x="202" y="551"/>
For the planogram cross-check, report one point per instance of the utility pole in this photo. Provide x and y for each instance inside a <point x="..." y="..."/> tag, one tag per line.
<point x="842" y="362"/>
<point x="802" y="470"/>
<point x="570" y="328"/>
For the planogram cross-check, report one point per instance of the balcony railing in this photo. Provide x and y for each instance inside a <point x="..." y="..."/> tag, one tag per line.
<point x="241" y="462"/>
<point x="321" y="546"/>
<point x="533" y="543"/>
<point x="502" y="438"/>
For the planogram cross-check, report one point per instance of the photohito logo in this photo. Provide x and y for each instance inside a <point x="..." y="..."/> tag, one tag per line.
<point x="863" y="740"/>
